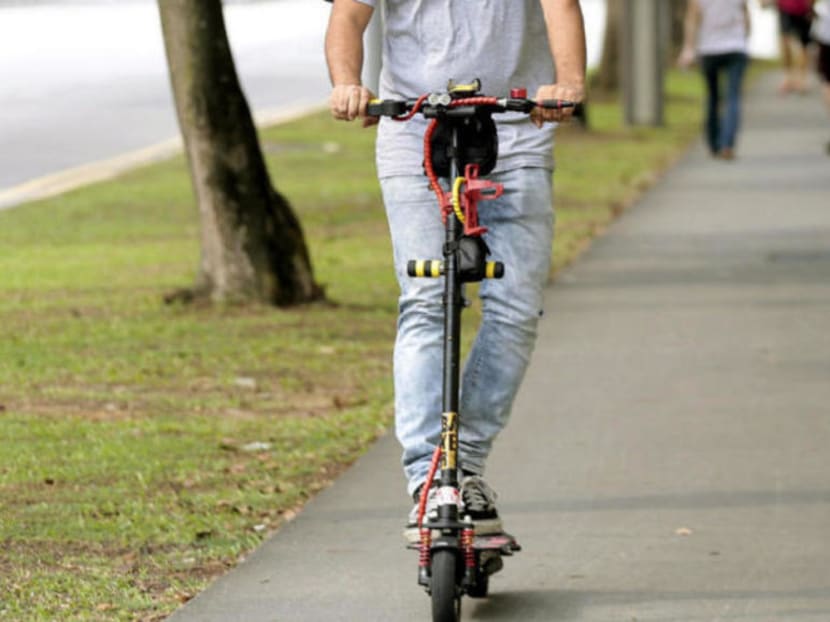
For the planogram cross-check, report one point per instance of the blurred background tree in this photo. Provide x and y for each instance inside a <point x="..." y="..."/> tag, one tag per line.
<point x="607" y="77"/>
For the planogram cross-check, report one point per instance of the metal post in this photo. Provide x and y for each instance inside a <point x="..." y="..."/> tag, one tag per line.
<point x="643" y="56"/>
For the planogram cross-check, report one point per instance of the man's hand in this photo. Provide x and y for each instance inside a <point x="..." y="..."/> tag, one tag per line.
<point x="686" y="58"/>
<point x="348" y="102"/>
<point x="568" y="92"/>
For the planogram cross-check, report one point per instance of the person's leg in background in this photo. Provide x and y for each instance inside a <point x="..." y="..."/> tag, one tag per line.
<point x="824" y="74"/>
<point x="795" y="40"/>
<point x="735" y="69"/>
<point x="801" y="60"/>
<point x="709" y="64"/>
<point x="786" y="52"/>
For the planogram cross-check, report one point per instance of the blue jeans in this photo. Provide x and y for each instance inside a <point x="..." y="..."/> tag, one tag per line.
<point x="722" y="130"/>
<point x="520" y="235"/>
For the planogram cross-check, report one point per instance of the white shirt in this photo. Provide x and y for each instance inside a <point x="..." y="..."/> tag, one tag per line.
<point x="428" y="42"/>
<point x="723" y="27"/>
<point x="821" y="25"/>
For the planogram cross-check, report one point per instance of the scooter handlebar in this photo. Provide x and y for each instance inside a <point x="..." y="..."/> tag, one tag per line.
<point x="398" y="108"/>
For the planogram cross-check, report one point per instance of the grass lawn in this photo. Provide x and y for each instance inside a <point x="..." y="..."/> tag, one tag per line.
<point x="146" y="448"/>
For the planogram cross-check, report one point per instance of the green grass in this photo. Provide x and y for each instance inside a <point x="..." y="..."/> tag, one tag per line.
<point x="127" y="478"/>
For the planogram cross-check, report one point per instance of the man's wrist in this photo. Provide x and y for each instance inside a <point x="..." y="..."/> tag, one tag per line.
<point x="574" y="83"/>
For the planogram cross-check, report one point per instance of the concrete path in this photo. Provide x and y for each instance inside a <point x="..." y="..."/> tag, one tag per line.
<point x="669" y="457"/>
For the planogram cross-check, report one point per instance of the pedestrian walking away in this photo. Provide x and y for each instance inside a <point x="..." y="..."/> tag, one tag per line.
<point x="505" y="45"/>
<point x="717" y="31"/>
<point x="821" y="33"/>
<point x="794" y="17"/>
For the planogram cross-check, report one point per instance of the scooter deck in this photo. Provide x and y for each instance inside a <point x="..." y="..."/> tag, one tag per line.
<point x="502" y="542"/>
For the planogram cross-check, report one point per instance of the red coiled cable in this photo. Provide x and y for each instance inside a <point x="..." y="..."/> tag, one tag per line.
<point x="443" y="198"/>
<point x="418" y="103"/>
<point x="433" y="467"/>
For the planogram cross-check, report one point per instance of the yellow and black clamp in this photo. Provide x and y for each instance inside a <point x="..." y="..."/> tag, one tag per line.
<point x="425" y="268"/>
<point x="434" y="268"/>
<point x="493" y="270"/>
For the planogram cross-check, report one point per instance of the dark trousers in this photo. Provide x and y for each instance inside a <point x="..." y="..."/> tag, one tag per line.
<point x="722" y="126"/>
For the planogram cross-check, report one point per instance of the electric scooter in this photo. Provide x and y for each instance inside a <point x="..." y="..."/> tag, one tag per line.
<point x="460" y="145"/>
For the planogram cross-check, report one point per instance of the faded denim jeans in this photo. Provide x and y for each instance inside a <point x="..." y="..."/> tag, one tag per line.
<point x="722" y="127"/>
<point x="520" y="235"/>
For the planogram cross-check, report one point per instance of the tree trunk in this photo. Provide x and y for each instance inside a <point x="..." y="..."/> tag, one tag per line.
<point x="678" y="13"/>
<point x="607" y="77"/>
<point x="252" y="244"/>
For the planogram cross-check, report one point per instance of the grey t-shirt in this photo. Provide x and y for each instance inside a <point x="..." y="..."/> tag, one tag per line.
<point x="428" y="42"/>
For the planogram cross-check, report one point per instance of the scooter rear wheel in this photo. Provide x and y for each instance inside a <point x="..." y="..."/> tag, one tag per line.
<point x="446" y="595"/>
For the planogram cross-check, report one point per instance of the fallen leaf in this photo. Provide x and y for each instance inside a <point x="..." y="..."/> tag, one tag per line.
<point x="236" y="469"/>
<point x="256" y="446"/>
<point x="246" y="383"/>
<point x="228" y="444"/>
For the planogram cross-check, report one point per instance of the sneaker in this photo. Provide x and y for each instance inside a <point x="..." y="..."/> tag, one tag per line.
<point x="479" y="501"/>
<point x="430" y="513"/>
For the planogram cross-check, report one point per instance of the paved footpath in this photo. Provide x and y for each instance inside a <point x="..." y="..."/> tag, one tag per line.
<point x="669" y="456"/>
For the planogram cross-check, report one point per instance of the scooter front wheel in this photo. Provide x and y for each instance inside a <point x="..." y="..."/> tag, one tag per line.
<point x="444" y="589"/>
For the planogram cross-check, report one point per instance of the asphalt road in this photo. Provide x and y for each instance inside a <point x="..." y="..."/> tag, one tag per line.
<point x="87" y="81"/>
<point x="668" y="454"/>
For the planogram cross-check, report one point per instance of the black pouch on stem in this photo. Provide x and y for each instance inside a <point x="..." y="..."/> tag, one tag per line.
<point x="472" y="258"/>
<point x="478" y="144"/>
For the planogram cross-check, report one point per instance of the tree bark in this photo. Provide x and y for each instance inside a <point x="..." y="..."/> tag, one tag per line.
<point x="252" y="245"/>
<point x="607" y="77"/>
<point x="678" y="13"/>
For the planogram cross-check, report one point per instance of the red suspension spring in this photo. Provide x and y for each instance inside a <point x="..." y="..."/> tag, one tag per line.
<point x="467" y="544"/>
<point x="426" y="545"/>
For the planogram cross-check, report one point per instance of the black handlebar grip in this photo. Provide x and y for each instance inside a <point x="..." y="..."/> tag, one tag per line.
<point x="386" y="108"/>
<point x="558" y="104"/>
<point x="429" y="268"/>
<point x="494" y="270"/>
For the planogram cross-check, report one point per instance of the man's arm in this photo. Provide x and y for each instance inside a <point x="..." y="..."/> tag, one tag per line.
<point x="566" y="34"/>
<point x="344" y="55"/>
<point x="691" y="23"/>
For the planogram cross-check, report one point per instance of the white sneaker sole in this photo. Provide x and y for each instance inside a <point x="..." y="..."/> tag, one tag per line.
<point x="482" y="528"/>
